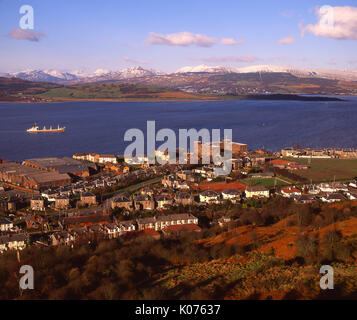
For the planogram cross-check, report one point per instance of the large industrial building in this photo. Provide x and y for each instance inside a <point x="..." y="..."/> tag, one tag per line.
<point x="237" y="148"/>
<point x="30" y="177"/>
<point x="62" y="165"/>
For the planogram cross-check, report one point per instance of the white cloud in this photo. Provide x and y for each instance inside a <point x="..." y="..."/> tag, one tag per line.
<point x="29" y="35"/>
<point x="338" y="23"/>
<point x="183" y="39"/>
<point x="287" y="40"/>
<point x="231" y="41"/>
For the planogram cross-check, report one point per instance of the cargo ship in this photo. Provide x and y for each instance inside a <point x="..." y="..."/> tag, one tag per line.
<point x="36" y="129"/>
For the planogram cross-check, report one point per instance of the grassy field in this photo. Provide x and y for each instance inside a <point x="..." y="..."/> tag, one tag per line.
<point x="119" y="91"/>
<point x="328" y="169"/>
<point x="265" y="182"/>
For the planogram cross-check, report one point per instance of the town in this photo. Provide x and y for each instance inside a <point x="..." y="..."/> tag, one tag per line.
<point x="63" y="201"/>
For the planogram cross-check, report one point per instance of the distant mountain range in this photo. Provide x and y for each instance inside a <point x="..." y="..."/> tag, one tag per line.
<point x="213" y="80"/>
<point x="138" y="72"/>
<point x="98" y="75"/>
<point x="316" y="73"/>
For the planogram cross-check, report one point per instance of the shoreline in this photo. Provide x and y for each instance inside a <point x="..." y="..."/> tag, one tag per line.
<point x="258" y="97"/>
<point x="116" y="100"/>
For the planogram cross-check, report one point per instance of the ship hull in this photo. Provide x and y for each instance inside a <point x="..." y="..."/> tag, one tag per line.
<point x="47" y="131"/>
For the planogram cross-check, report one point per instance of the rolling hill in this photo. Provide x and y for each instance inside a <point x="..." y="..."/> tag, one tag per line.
<point x="214" y="80"/>
<point x="18" y="90"/>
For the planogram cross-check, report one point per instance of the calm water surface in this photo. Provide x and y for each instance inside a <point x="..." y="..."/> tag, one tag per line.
<point x="100" y="126"/>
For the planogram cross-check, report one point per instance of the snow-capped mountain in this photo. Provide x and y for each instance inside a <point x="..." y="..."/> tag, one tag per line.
<point x="34" y="75"/>
<point x="138" y="72"/>
<point x="299" y="72"/>
<point x="128" y="73"/>
<point x="99" y="72"/>
<point x="52" y="75"/>
<point x="206" y="68"/>
<point x="43" y="75"/>
<point x="303" y="72"/>
<point x="135" y="72"/>
<point x="60" y="75"/>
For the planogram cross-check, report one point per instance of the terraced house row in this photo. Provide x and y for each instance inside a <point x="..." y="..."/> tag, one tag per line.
<point x="149" y="202"/>
<point x="167" y="224"/>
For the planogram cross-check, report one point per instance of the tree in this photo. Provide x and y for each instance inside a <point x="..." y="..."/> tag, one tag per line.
<point x="307" y="248"/>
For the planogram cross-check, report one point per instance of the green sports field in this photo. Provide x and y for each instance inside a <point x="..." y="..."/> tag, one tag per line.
<point x="328" y="169"/>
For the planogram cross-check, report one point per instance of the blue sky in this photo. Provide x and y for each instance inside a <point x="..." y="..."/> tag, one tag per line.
<point x="114" y="34"/>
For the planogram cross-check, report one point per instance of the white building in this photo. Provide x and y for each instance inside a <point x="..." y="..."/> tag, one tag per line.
<point x="103" y="158"/>
<point x="289" y="192"/>
<point x="256" y="192"/>
<point x="13" y="242"/>
<point x="334" y="197"/>
<point x="5" y="224"/>
<point x="327" y="187"/>
<point x="209" y="196"/>
<point x="353" y="184"/>
<point x="232" y="195"/>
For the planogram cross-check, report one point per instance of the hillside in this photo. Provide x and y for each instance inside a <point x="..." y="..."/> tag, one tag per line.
<point x="242" y="83"/>
<point x="18" y="90"/>
<point x="248" y="260"/>
<point x="13" y="89"/>
<point x="250" y="83"/>
<point x="119" y="91"/>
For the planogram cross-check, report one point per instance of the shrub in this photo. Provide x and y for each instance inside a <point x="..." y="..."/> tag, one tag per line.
<point x="307" y="248"/>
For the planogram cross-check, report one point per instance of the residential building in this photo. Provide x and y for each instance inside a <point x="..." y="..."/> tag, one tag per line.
<point x="62" y="238"/>
<point x="232" y="195"/>
<point x="256" y="192"/>
<point x="37" y="203"/>
<point x="333" y="197"/>
<point x="62" y="202"/>
<point x="88" y="198"/>
<point x="111" y="230"/>
<point x="144" y="202"/>
<point x="122" y="201"/>
<point x="104" y="158"/>
<point x="160" y="222"/>
<point x="290" y="191"/>
<point x="16" y="241"/>
<point x="126" y="226"/>
<point x="6" y="224"/>
<point x="327" y="187"/>
<point x="305" y="198"/>
<point x="209" y="196"/>
<point x="163" y="202"/>
<point x="183" y="198"/>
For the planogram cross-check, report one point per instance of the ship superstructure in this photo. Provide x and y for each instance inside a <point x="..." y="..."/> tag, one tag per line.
<point x="36" y="129"/>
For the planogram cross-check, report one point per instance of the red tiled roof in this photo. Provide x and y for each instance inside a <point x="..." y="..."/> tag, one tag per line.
<point x="280" y="162"/>
<point x="290" y="190"/>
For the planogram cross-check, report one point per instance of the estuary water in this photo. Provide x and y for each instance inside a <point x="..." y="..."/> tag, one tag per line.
<point x="100" y="126"/>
